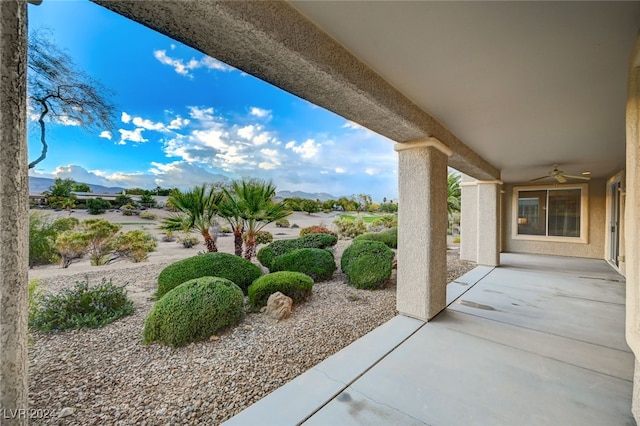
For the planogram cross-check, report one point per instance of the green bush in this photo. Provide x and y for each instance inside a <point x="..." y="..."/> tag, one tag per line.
<point x="35" y="294"/>
<point x="282" y="223"/>
<point x="188" y="240"/>
<point x="41" y="238"/>
<point x="389" y="237"/>
<point x="367" y="264"/>
<point x="317" y="263"/>
<point x="266" y="255"/>
<point x="81" y="307"/>
<point x="97" y="205"/>
<point x="316" y="229"/>
<point x="194" y="311"/>
<point x="296" y="285"/>
<point x="234" y="268"/>
<point x="350" y="228"/>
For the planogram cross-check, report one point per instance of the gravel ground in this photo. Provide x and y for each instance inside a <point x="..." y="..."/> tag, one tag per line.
<point x="108" y="377"/>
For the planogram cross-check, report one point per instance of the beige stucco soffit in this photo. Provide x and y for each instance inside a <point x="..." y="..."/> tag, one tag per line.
<point x="422" y="143"/>
<point x="482" y="182"/>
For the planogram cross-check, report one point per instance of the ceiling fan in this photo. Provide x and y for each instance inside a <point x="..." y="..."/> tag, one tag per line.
<point x="559" y="176"/>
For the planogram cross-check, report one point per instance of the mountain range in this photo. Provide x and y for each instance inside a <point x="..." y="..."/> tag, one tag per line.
<point x="38" y="185"/>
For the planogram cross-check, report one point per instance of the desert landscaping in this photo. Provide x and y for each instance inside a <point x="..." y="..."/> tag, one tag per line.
<point x="107" y="375"/>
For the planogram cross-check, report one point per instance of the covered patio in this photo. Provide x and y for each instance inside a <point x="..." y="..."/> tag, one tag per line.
<point x="538" y="340"/>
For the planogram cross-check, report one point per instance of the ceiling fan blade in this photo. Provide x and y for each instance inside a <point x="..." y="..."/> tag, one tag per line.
<point x="560" y="178"/>
<point x="539" y="178"/>
<point x="577" y="177"/>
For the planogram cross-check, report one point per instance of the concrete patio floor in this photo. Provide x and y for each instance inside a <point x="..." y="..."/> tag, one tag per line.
<point x="536" y="341"/>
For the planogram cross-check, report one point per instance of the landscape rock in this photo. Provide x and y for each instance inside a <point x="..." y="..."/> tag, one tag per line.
<point x="279" y="306"/>
<point x="66" y="412"/>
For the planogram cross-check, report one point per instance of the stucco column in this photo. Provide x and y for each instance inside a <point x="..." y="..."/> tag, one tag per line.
<point x="468" y="219"/>
<point x="422" y="228"/>
<point x="13" y="212"/>
<point x="488" y="225"/>
<point x="632" y="221"/>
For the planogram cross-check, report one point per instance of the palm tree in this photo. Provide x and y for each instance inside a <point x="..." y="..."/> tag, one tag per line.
<point x="229" y="210"/>
<point x="453" y="195"/>
<point x="198" y="207"/>
<point x="254" y="207"/>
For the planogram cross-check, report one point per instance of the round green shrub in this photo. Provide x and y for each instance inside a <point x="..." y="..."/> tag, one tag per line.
<point x="367" y="264"/>
<point x="234" y="268"/>
<point x="389" y="237"/>
<point x="317" y="263"/>
<point x="266" y="255"/>
<point x="282" y="223"/>
<point x="261" y="237"/>
<point x="194" y="311"/>
<point x="296" y="285"/>
<point x="316" y="229"/>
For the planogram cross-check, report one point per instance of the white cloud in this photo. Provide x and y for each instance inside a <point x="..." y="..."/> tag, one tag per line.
<point x="201" y="114"/>
<point x="260" y="113"/>
<point x="147" y="124"/>
<point x="246" y="132"/>
<point x="353" y="126"/>
<point x="273" y="164"/>
<point x="269" y="152"/>
<point x="340" y="170"/>
<point x="183" y="68"/>
<point x="308" y="149"/>
<point x="131" y="136"/>
<point x="65" y="120"/>
<point x="370" y="171"/>
<point x="178" y="123"/>
<point x="126" y="118"/>
<point x="105" y="134"/>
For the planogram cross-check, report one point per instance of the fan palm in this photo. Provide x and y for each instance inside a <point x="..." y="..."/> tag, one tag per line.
<point x="230" y="211"/>
<point x="253" y="206"/>
<point x="198" y="208"/>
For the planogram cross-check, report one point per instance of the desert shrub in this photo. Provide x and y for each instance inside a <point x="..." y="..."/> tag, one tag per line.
<point x="296" y="285"/>
<point x="42" y="236"/>
<point x="317" y="263"/>
<point x="135" y="245"/>
<point x="97" y="205"/>
<point x="295" y="225"/>
<point x="148" y="215"/>
<point x="100" y="235"/>
<point x="367" y="264"/>
<point x="64" y="224"/>
<point x="81" y="307"/>
<point x="267" y="254"/>
<point x="282" y="223"/>
<point x="315" y="229"/>
<point x="234" y="268"/>
<point x="194" y="311"/>
<point x="168" y="237"/>
<point x="123" y="200"/>
<point x="225" y="230"/>
<point x="456" y="240"/>
<point x="389" y="237"/>
<point x="262" y="237"/>
<point x="349" y="228"/>
<point x="386" y="221"/>
<point x="188" y="241"/>
<point x="70" y="246"/>
<point x="148" y="201"/>
<point x="35" y="294"/>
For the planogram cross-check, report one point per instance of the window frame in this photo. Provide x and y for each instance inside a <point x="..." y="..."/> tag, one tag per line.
<point x="584" y="214"/>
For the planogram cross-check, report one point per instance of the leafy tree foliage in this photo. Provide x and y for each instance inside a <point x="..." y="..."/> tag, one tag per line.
<point x="80" y="187"/>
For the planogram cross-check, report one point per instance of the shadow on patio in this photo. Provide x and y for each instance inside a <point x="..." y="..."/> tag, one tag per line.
<point x="538" y="340"/>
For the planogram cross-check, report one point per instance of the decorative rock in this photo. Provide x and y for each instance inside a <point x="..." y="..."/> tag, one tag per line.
<point x="279" y="306"/>
<point x="213" y="337"/>
<point x="66" y="412"/>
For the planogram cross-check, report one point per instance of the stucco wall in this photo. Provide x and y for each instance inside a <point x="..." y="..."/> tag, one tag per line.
<point x="593" y="249"/>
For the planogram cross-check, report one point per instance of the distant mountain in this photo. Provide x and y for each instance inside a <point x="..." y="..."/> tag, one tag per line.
<point x="322" y="196"/>
<point x="38" y="185"/>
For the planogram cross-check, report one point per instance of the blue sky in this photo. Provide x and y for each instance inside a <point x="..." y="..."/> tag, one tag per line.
<point x="184" y="118"/>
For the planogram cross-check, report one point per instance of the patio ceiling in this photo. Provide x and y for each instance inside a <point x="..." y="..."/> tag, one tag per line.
<point x="524" y="84"/>
<point x="511" y="87"/>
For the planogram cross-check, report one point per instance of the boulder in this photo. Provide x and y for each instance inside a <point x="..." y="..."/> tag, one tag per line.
<point x="279" y="306"/>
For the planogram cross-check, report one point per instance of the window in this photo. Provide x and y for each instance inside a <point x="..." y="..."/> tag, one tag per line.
<point x="551" y="213"/>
